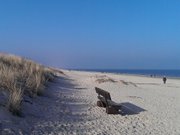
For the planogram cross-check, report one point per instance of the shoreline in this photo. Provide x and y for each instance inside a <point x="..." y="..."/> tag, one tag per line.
<point x="126" y="74"/>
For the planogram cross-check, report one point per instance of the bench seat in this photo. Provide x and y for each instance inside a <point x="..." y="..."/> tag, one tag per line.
<point x="110" y="102"/>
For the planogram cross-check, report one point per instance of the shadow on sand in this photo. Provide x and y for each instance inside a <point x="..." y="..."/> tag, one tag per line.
<point x="56" y="110"/>
<point x="130" y="109"/>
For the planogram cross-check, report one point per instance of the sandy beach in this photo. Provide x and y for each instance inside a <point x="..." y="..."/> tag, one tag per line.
<point x="90" y="67"/>
<point x="68" y="106"/>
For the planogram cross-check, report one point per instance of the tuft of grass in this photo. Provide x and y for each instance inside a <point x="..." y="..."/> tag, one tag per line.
<point x="15" y="100"/>
<point x="20" y="76"/>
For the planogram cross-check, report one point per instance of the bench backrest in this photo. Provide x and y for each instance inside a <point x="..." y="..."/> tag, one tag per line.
<point x="103" y="93"/>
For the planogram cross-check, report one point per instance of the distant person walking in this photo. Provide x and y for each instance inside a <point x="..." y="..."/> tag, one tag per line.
<point x="164" y="79"/>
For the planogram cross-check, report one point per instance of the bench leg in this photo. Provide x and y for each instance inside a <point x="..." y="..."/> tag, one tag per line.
<point x="101" y="104"/>
<point x="111" y="110"/>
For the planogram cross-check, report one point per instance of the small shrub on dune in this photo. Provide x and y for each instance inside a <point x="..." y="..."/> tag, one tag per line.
<point x="20" y="76"/>
<point x="35" y="83"/>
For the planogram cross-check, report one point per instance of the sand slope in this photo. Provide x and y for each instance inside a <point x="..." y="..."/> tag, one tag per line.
<point x="69" y="107"/>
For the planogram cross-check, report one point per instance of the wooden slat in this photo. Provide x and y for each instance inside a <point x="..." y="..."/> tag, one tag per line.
<point x="103" y="93"/>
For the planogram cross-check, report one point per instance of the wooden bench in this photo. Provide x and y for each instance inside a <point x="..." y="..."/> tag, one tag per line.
<point x="105" y="101"/>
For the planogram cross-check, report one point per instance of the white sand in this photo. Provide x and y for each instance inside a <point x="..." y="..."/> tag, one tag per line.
<point x="69" y="107"/>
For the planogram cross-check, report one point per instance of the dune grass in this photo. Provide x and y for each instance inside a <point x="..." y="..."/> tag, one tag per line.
<point x="19" y="77"/>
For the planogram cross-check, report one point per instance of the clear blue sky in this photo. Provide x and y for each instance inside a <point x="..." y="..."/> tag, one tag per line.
<point x="115" y="34"/>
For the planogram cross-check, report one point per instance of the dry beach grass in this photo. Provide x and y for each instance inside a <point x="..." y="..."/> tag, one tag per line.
<point x="19" y="77"/>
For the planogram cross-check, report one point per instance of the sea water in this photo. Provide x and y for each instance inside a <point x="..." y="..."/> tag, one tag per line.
<point x="146" y="72"/>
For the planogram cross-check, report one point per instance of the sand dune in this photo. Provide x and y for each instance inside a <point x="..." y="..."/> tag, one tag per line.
<point x="69" y="107"/>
